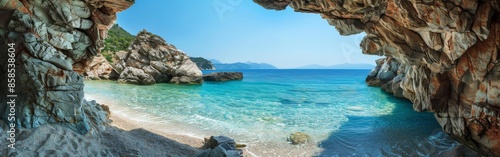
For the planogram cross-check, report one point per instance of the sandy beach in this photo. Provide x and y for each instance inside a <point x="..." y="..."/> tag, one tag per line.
<point x="130" y="136"/>
<point x="131" y="128"/>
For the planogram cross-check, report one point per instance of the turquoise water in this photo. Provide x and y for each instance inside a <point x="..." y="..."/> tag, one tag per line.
<point x="344" y="116"/>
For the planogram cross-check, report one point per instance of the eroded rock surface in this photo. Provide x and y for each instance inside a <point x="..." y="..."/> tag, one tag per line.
<point x="150" y="59"/>
<point x="447" y="53"/>
<point x="55" y="40"/>
<point x="100" y="69"/>
<point x="299" y="138"/>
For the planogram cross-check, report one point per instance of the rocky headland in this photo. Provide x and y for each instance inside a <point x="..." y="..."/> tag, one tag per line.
<point x="52" y="44"/>
<point x="441" y="55"/>
<point x="150" y="59"/>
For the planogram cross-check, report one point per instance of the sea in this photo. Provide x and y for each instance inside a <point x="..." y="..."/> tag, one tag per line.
<point x="343" y="116"/>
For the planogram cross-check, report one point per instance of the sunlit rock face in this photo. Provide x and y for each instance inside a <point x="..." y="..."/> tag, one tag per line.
<point x="447" y="55"/>
<point x="55" y="40"/>
<point x="100" y="69"/>
<point x="150" y="59"/>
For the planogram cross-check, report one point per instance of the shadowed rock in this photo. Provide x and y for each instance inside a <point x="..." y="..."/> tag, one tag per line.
<point x="55" y="41"/>
<point x="223" y="76"/>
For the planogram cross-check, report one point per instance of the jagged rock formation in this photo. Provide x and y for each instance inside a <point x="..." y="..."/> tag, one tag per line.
<point x="220" y="146"/>
<point x="448" y="52"/>
<point x="152" y="60"/>
<point x="55" y="40"/>
<point x="203" y="63"/>
<point x="387" y="76"/>
<point x="299" y="138"/>
<point x="223" y="76"/>
<point x="100" y="69"/>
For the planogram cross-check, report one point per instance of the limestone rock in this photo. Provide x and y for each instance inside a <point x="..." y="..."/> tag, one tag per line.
<point x="441" y="55"/>
<point x="218" y="146"/>
<point x="55" y="41"/>
<point x="135" y="76"/>
<point x="299" y="138"/>
<point x="151" y="60"/>
<point x="223" y="76"/>
<point x="100" y="69"/>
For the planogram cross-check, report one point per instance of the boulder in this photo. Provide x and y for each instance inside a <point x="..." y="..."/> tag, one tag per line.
<point x="223" y="76"/>
<point x="150" y="59"/>
<point x="135" y="76"/>
<point x="220" y="146"/>
<point x="299" y="138"/>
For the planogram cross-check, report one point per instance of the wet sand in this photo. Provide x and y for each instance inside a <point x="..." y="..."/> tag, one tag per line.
<point x="129" y="119"/>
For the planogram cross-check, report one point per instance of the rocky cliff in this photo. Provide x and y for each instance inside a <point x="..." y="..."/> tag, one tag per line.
<point x="441" y="55"/>
<point x="150" y="59"/>
<point x="100" y="69"/>
<point x="52" y="42"/>
<point x="203" y="63"/>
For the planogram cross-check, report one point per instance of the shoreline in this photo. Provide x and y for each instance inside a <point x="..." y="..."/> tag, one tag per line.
<point x="120" y="120"/>
<point x="259" y="142"/>
<point x="129" y="119"/>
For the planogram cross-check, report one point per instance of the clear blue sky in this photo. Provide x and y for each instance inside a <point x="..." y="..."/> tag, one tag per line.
<point x="241" y="31"/>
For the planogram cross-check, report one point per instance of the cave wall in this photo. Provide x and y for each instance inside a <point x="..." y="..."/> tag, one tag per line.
<point x="446" y="53"/>
<point x="54" y="41"/>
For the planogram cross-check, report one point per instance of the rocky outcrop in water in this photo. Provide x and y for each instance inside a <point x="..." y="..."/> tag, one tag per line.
<point x="387" y="76"/>
<point x="299" y="138"/>
<point x="447" y="51"/>
<point x="53" y="42"/>
<point x="223" y="76"/>
<point x="100" y="69"/>
<point x="150" y="59"/>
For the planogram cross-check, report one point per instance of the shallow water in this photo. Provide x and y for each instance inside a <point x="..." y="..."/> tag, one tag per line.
<point x="343" y="115"/>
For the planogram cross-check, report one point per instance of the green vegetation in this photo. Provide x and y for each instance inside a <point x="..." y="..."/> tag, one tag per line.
<point x="118" y="40"/>
<point x="203" y="63"/>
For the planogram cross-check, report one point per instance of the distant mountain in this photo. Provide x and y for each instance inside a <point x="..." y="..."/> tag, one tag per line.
<point x="338" y="66"/>
<point x="238" y="65"/>
<point x="261" y="65"/>
<point x="203" y="63"/>
<point x="214" y="61"/>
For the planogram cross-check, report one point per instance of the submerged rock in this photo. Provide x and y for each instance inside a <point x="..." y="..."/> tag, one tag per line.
<point x="54" y="140"/>
<point x="151" y="60"/>
<point x="299" y="138"/>
<point x="223" y="76"/>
